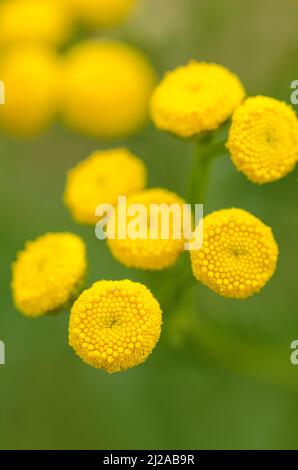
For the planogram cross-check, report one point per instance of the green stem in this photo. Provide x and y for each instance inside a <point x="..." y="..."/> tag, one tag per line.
<point x="199" y="173"/>
<point x="181" y="304"/>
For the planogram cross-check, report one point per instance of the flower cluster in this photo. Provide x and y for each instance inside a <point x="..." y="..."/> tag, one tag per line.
<point x="104" y="91"/>
<point x="239" y="253"/>
<point x="98" y="87"/>
<point x="199" y="97"/>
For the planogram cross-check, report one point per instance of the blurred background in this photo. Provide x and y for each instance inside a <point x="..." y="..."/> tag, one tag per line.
<point x="234" y="387"/>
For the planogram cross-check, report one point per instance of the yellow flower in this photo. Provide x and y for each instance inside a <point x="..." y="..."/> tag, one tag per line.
<point x="263" y="139"/>
<point x="106" y="89"/>
<point x="48" y="273"/>
<point x="100" y="179"/>
<point x="145" y="252"/>
<point x="42" y="21"/>
<point x="102" y="13"/>
<point x="238" y="256"/>
<point x="30" y="77"/>
<point x="195" y="98"/>
<point x="115" y="325"/>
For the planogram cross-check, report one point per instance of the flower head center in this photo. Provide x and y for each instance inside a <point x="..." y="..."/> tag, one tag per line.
<point x="270" y="137"/>
<point x="238" y="252"/>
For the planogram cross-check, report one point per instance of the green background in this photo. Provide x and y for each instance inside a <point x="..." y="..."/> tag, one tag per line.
<point x="233" y="387"/>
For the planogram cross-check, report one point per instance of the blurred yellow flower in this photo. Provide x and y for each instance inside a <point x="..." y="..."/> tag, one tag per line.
<point x="102" y="13"/>
<point x="30" y="76"/>
<point x="100" y="179"/>
<point x="106" y="89"/>
<point x="238" y="256"/>
<point x="147" y="252"/>
<point x="48" y="273"/>
<point x="33" y="21"/>
<point x="263" y="139"/>
<point x="195" y="98"/>
<point x="114" y="325"/>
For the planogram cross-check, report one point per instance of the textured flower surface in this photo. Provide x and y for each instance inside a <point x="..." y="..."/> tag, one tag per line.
<point x="195" y="98"/>
<point x="145" y="252"/>
<point x="114" y="325"/>
<point x="30" y="75"/>
<point x="102" y="13"/>
<point x="263" y="139"/>
<point x="238" y="256"/>
<point x="44" y="21"/>
<point x="100" y="179"/>
<point x="106" y="89"/>
<point x="48" y="273"/>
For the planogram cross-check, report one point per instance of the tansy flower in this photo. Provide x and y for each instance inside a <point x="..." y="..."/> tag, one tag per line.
<point x="30" y="76"/>
<point x="100" y="179"/>
<point x="263" y="139"/>
<point x="48" y="273"/>
<point x="101" y="13"/>
<point x="106" y="88"/>
<point x="195" y="98"/>
<point x="238" y="256"/>
<point x="29" y="21"/>
<point x="114" y="325"/>
<point x="144" y="251"/>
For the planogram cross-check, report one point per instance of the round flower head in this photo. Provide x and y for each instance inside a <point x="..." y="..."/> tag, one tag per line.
<point x="195" y="98"/>
<point x="238" y="256"/>
<point x="30" y="77"/>
<point x="114" y="325"/>
<point x="146" y="247"/>
<point x="102" y="13"/>
<point x="263" y="139"/>
<point x="100" y="179"/>
<point x="42" y="21"/>
<point x="48" y="273"/>
<point x="106" y="89"/>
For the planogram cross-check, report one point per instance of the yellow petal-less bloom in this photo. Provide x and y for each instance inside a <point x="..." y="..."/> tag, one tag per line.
<point x="30" y="76"/>
<point x="195" y="98"/>
<point x="145" y="252"/>
<point x="101" y="13"/>
<point x="106" y="88"/>
<point x="48" y="273"/>
<point x="115" y="325"/>
<point x="239" y="254"/>
<point x="263" y="139"/>
<point x="33" y="21"/>
<point x="100" y="179"/>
